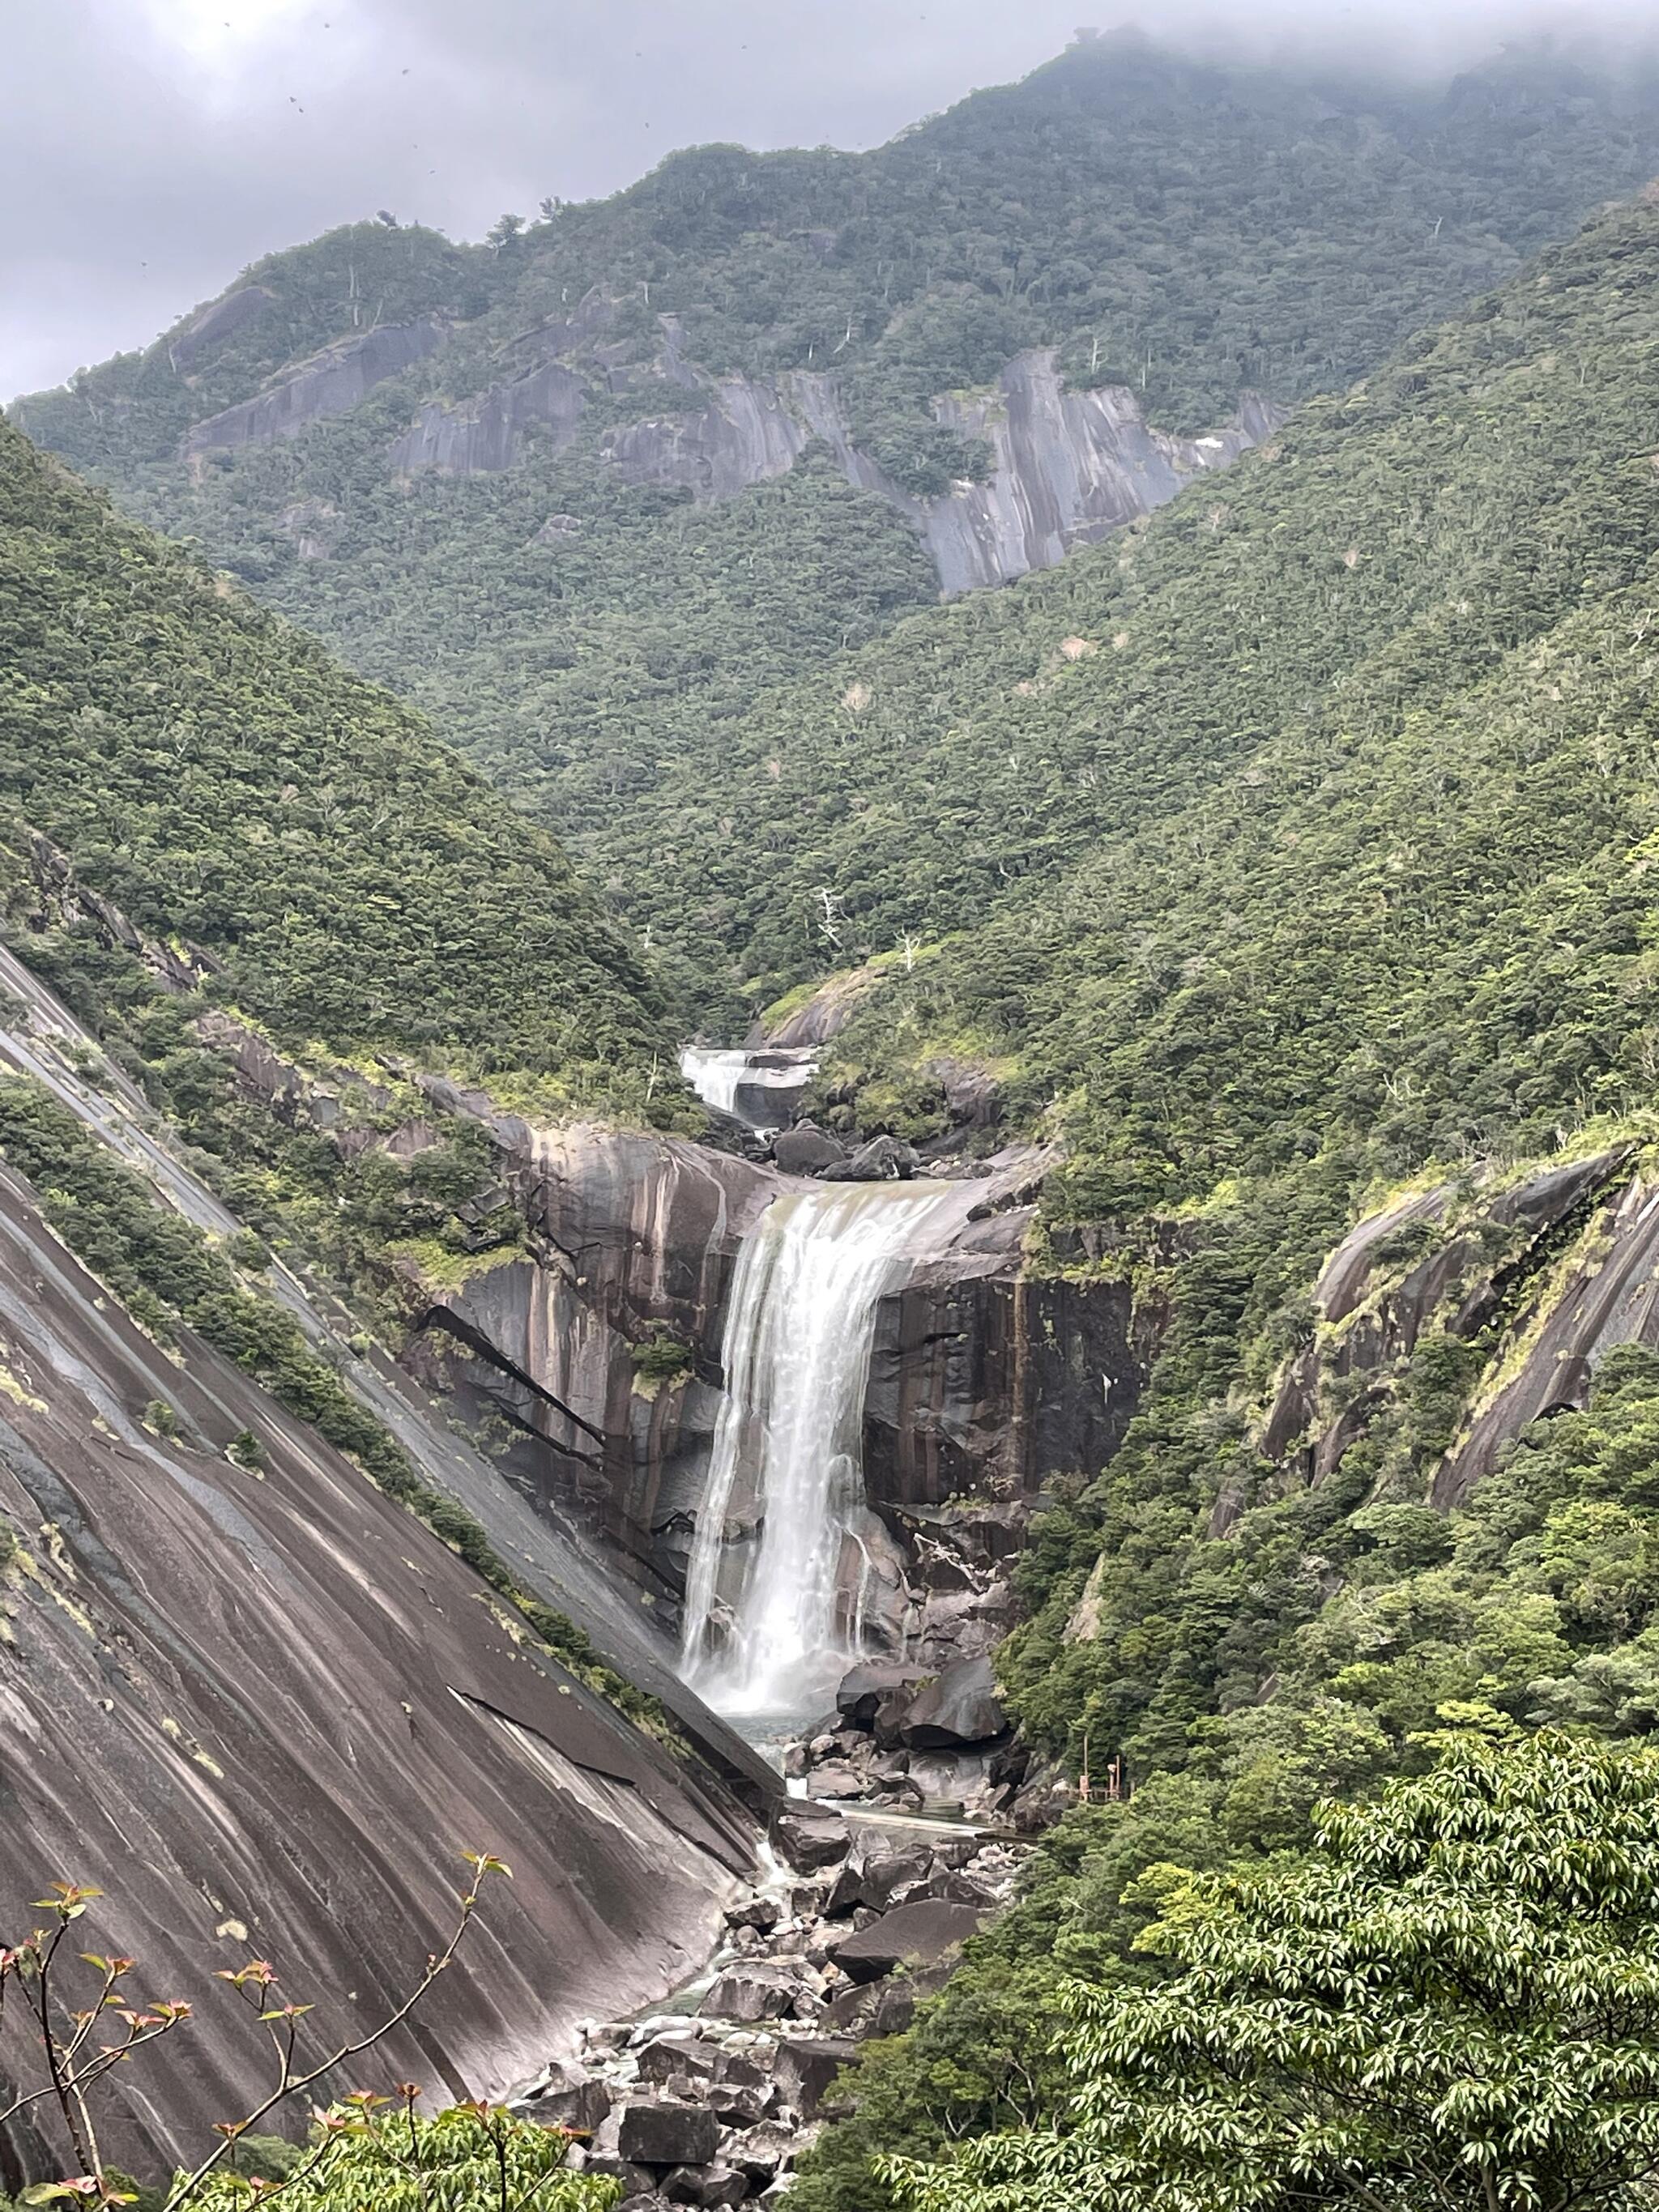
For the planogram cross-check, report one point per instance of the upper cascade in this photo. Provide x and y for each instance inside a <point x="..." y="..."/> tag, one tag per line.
<point x="787" y="1551"/>
<point x="760" y="1088"/>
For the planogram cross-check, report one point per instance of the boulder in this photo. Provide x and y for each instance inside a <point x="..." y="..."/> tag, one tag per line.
<point x="706" y="2185"/>
<point x="807" y="1836"/>
<point x="808" y="2066"/>
<point x="959" y="1707"/>
<point x="762" y="1912"/>
<point x="672" y="2058"/>
<point x="883" y="1160"/>
<point x="742" y="2071"/>
<point x="852" y="2012"/>
<point x="669" y="2135"/>
<point x="921" y="1932"/>
<point x="837" y="1780"/>
<point x="864" y="1690"/>
<point x="952" y="1885"/>
<point x="571" y="2099"/>
<point x="638" y="2181"/>
<point x="735" y="2107"/>
<point x="763" y="2154"/>
<point x="806" y="1150"/>
<point x="846" y="1892"/>
<point x="751" y="1993"/>
<point x="891" y="1871"/>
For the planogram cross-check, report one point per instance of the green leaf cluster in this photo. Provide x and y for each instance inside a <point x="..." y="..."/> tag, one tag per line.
<point x="1451" y="2000"/>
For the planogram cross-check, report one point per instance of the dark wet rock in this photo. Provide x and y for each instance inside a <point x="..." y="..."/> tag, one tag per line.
<point x="921" y="1932"/>
<point x="883" y="1160"/>
<point x="960" y="1707"/>
<point x="864" y="1688"/>
<point x="706" y="2185"/>
<point x="984" y="1382"/>
<point x="806" y="1150"/>
<point x="657" y="2134"/>
<point x="807" y="1836"/>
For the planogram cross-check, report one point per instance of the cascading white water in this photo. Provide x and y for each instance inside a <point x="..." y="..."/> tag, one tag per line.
<point x="717" y="1077"/>
<point x="799" y="1335"/>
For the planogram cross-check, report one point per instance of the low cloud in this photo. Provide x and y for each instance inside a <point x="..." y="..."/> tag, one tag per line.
<point x="150" y="148"/>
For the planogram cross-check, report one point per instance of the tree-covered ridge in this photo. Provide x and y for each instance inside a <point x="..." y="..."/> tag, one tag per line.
<point x="351" y="280"/>
<point x="352" y="882"/>
<point x="1194" y="230"/>
<point x="1452" y="1999"/>
<point x="1361" y="892"/>
<point x="1229" y="821"/>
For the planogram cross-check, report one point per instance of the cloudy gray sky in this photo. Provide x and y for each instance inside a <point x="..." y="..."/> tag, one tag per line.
<point x="149" y="149"/>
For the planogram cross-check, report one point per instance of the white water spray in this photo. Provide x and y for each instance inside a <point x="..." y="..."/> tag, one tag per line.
<point x="718" y="1076"/>
<point x="797" y="1342"/>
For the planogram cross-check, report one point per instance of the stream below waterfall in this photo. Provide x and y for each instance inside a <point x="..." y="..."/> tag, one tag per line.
<point x="788" y="1557"/>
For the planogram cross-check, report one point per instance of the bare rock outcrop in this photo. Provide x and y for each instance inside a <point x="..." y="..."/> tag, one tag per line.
<point x="263" y="1707"/>
<point x="481" y="436"/>
<point x="329" y="383"/>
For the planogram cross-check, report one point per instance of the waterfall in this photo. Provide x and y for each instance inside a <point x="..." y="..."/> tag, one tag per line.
<point x="773" y="1079"/>
<point x="799" y="1335"/>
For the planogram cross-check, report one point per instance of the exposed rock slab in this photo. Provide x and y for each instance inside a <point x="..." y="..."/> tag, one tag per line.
<point x="482" y="436"/>
<point x="264" y="1710"/>
<point x="329" y="383"/>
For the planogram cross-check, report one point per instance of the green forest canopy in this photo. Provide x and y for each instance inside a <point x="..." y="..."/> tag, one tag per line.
<point x="215" y="773"/>
<point x="1192" y="229"/>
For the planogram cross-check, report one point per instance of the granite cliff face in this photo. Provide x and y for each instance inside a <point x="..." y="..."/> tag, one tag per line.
<point x="264" y="1708"/>
<point x="1552" y="1268"/>
<point x="1067" y="466"/>
<point x="982" y="1382"/>
<point x="330" y="383"/>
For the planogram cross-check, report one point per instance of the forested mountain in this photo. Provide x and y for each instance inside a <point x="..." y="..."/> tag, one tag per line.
<point x="349" y="882"/>
<point x="1329" y="905"/>
<point x="585" y="491"/>
<point x="1274" y="875"/>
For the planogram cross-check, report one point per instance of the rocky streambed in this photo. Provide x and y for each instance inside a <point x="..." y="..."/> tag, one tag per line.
<point x="711" y="2099"/>
<point x="863" y="1902"/>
